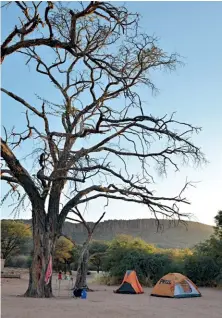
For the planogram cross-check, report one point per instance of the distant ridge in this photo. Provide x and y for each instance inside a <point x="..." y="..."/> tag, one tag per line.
<point x="172" y="236"/>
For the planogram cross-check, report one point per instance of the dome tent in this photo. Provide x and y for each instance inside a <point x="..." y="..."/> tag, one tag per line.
<point x="130" y="284"/>
<point x="175" y="285"/>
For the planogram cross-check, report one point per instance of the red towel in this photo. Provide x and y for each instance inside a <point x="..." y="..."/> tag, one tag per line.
<point x="49" y="271"/>
<point x="59" y="276"/>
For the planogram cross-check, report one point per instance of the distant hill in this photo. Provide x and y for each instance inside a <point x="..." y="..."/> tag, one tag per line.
<point x="171" y="237"/>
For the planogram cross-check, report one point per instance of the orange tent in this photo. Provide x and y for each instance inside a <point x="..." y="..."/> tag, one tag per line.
<point x="130" y="284"/>
<point x="175" y="285"/>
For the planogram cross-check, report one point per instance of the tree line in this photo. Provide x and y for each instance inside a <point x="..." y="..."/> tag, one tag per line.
<point x="202" y="264"/>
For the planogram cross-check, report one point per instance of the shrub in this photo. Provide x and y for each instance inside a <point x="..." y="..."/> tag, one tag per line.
<point x="202" y="270"/>
<point x="98" y="247"/>
<point x="21" y="261"/>
<point x="202" y="265"/>
<point x="154" y="266"/>
<point x="126" y="253"/>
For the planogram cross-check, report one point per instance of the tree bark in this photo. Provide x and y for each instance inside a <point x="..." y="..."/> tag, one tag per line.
<point x="82" y="268"/>
<point x="44" y="241"/>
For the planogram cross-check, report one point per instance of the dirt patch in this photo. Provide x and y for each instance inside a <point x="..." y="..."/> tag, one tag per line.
<point x="104" y="303"/>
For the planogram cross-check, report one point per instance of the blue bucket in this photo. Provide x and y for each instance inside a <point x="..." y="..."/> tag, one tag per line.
<point x="84" y="294"/>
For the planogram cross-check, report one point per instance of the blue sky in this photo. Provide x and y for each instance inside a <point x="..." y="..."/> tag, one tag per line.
<point x="194" y="30"/>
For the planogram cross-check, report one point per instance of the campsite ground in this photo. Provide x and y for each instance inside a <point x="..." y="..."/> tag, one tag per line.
<point x="104" y="303"/>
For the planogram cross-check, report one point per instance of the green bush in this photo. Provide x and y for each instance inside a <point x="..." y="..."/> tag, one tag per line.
<point x="127" y="253"/>
<point x="211" y="248"/>
<point x="29" y="261"/>
<point x="20" y="261"/>
<point x="98" y="247"/>
<point x="154" y="266"/>
<point x="202" y="270"/>
<point x="202" y="264"/>
<point x="205" y="266"/>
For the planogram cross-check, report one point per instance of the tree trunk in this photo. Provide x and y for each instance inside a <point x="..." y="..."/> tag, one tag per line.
<point x="2" y="264"/>
<point x="69" y="268"/>
<point x="82" y="269"/>
<point x="65" y="267"/>
<point x="44" y="240"/>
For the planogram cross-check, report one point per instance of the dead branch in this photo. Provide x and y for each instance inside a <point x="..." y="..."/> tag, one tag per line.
<point x="99" y="59"/>
<point x="68" y="42"/>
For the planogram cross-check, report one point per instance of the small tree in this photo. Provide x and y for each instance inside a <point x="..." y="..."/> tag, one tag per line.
<point x="206" y="261"/>
<point x="63" y="251"/>
<point x="213" y="246"/>
<point x="98" y="247"/>
<point x="218" y="227"/>
<point x="84" y="254"/>
<point x="202" y="270"/>
<point x="99" y="58"/>
<point x="13" y="236"/>
<point x="126" y="252"/>
<point x="97" y="252"/>
<point x="154" y="266"/>
<point x="97" y="260"/>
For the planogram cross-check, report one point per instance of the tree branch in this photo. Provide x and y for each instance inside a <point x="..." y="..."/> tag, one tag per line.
<point x="99" y="94"/>
<point x="22" y="101"/>
<point x="21" y="175"/>
<point x="9" y="179"/>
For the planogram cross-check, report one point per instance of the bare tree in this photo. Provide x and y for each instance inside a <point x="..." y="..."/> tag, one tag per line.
<point x="56" y="26"/>
<point x="84" y="254"/>
<point x="100" y="60"/>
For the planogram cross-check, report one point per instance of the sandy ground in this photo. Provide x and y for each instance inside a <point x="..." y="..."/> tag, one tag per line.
<point x="103" y="303"/>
